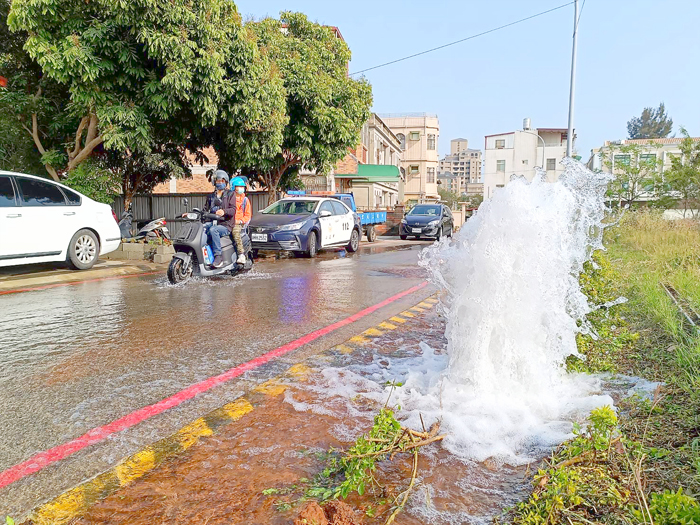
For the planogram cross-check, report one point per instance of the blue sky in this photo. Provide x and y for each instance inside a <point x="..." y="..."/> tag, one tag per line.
<point x="631" y="54"/>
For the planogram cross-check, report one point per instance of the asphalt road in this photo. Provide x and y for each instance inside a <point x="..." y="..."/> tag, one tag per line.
<point x="77" y="357"/>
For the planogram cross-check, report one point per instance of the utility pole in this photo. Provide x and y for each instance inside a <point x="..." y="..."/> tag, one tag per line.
<point x="570" y="134"/>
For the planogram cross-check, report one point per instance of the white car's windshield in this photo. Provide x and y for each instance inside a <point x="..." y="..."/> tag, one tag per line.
<point x="425" y="210"/>
<point x="291" y="207"/>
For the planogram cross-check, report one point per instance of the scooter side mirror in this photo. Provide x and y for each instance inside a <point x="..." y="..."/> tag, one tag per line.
<point x="185" y="201"/>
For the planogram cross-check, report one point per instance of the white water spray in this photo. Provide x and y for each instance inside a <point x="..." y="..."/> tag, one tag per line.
<point x="514" y="307"/>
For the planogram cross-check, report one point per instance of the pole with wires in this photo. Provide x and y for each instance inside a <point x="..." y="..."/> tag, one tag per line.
<point x="572" y="89"/>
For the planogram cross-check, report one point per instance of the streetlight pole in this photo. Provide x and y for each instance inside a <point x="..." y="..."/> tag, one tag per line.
<point x="570" y="134"/>
<point x="543" y="144"/>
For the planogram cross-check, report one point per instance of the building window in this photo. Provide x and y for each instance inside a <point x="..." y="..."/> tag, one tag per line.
<point x="622" y="159"/>
<point x="500" y="143"/>
<point x="414" y="135"/>
<point x="431" y="176"/>
<point x="551" y="164"/>
<point x="431" y="142"/>
<point x="501" y="165"/>
<point x="647" y="157"/>
<point x="525" y="162"/>
<point x="402" y="141"/>
<point x="412" y="169"/>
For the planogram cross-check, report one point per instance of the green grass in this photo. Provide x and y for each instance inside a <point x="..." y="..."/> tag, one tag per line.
<point x="652" y="474"/>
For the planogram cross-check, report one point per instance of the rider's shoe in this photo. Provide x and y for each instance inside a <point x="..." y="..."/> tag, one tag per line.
<point x="218" y="262"/>
<point x="241" y="259"/>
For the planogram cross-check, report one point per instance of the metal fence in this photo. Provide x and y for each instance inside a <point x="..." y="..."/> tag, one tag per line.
<point x="171" y="206"/>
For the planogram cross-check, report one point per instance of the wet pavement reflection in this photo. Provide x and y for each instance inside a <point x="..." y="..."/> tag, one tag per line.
<point x="76" y="357"/>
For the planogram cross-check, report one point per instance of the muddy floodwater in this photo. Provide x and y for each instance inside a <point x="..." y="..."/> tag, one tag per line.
<point x="283" y="441"/>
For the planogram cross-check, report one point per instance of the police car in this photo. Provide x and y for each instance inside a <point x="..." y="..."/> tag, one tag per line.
<point x="305" y="224"/>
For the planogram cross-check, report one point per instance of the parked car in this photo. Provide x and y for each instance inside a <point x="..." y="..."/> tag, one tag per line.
<point x="304" y="225"/>
<point x="428" y="221"/>
<point x="43" y="221"/>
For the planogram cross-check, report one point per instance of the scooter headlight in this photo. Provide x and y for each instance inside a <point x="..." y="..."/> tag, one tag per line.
<point x="191" y="216"/>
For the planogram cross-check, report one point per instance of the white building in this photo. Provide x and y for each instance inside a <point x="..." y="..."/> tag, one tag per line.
<point x="520" y="152"/>
<point x="463" y="162"/>
<point x="418" y="134"/>
<point x="663" y="150"/>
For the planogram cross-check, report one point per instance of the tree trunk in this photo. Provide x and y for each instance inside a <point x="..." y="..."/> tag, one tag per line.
<point x="272" y="179"/>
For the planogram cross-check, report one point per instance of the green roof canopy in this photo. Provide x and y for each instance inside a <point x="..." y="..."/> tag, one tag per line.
<point x="373" y="173"/>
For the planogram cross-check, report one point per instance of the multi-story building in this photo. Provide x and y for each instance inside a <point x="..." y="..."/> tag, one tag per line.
<point x="418" y="134"/>
<point x="463" y="162"/>
<point x="371" y="171"/>
<point x="662" y="150"/>
<point x="520" y="152"/>
<point x="611" y="156"/>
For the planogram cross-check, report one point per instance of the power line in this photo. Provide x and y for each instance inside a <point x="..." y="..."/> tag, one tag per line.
<point x="462" y="40"/>
<point x="580" y="12"/>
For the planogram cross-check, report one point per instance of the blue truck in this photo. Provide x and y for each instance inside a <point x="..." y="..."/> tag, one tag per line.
<point x="368" y="219"/>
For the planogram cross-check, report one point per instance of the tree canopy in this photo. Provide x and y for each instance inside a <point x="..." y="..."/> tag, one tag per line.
<point x="684" y="176"/>
<point x="654" y="123"/>
<point x="324" y="109"/>
<point x="136" y="85"/>
<point x="129" y="67"/>
<point x="635" y="172"/>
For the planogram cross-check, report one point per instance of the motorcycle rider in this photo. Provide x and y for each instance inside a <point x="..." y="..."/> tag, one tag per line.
<point x="241" y="218"/>
<point x="219" y="202"/>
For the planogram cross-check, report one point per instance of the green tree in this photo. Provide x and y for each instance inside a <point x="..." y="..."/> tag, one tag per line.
<point x="131" y="69"/>
<point x="635" y="171"/>
<point x="33" y="107"/>
<point x="654" y="123"/>
<point x="449" y="197"/>
<point x="683" y="178"/>
<point x="475" y="200"/>
<point x="324" y="109"/>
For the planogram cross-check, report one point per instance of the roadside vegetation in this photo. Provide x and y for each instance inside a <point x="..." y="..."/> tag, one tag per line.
<point x="641" y="465"/>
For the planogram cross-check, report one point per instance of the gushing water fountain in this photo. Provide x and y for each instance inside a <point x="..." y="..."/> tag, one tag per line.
<point x="513" y="306"/>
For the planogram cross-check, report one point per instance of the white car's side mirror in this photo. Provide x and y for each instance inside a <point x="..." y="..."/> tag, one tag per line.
<point x="324" y="213"/>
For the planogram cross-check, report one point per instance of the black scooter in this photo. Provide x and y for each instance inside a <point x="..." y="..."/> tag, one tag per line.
<point x="190" y="258"/>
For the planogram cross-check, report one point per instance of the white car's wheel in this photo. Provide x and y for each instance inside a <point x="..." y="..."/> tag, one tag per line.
<point x="83" y="250"/>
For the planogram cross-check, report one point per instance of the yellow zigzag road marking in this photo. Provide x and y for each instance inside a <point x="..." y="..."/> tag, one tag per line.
<point x="75" y="502"/>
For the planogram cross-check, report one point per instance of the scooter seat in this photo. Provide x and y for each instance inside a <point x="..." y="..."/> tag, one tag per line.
<point x="226" y="241"/>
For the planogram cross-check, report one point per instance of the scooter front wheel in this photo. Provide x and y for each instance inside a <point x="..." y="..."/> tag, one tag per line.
<point x="178" y="271"/>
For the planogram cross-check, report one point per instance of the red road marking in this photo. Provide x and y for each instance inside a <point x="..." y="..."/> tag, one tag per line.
<point x="55" y="454"/>
<point x="46" y="286"/>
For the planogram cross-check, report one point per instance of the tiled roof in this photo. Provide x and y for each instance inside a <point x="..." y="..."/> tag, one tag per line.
<point x="672" y="140"/>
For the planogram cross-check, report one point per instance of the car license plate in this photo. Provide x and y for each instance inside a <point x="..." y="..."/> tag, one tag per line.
<point x="259" y="237"/>
<point x="416" y="230"/>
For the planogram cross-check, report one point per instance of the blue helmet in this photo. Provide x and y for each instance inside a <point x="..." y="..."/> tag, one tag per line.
<point x="237" y="181"/>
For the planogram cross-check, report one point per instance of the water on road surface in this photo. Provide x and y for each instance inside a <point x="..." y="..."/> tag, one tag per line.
<point x="76" y="357"/>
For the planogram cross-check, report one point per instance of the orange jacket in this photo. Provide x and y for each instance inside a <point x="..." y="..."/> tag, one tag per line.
<point x="243" y="213"/>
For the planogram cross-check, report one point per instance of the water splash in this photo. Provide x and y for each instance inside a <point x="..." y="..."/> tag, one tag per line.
<point x="513" y="308"/>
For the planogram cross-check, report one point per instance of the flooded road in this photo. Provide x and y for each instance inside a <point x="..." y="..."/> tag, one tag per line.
<point x="258" y="469"/>
<point x="77" y="357"/>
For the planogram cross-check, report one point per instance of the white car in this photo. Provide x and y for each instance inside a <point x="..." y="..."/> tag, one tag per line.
<point x="43" y="221"/>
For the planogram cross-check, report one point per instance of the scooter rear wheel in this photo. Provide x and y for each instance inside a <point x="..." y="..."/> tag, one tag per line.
<point x="178" y="272"/>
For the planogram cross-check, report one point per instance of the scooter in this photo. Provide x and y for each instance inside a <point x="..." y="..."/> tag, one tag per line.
<point x="194" y="257"/>
<point x="155" y="229"/>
